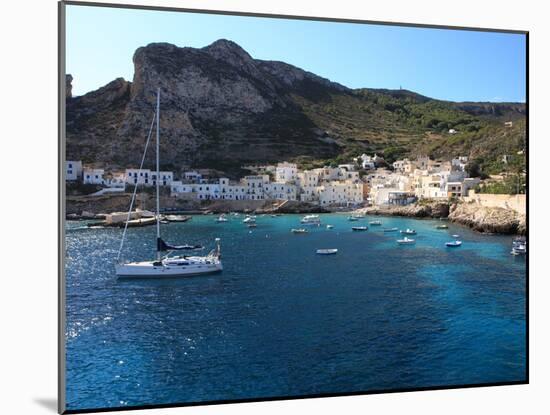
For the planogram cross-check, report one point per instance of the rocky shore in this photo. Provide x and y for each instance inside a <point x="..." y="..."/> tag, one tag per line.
<point x="424" y="210"/>
<point x="478" y="218"/>
<point x="490" y="220"/>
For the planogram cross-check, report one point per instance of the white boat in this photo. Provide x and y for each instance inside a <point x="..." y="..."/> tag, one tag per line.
<point x="453" y="244"/>
<point x="177" y="218"/>
<point x="519" y="246"/>
<point x="442" y="226"/>
<point x="311" y="220"/>
<point x="359" y="228"/>
<point x="167" y="265"/>
<point x="352" y="218"/>
<point x="299" y="230"/>
<point x="252" y="225"/>
<point x="249" y="219"/>
<point x="390" y="229"/>
<point x="222" y="218"/>
<point x="408" y="232"/>
<point x="375" y="223"/>
<point x="331" y="251"/>
<point x="456" y="236"/>
<point x="330" y="226"/>
<point x="406" y="241"/>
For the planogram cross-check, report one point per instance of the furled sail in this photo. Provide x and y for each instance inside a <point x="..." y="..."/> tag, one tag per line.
<point x="163" y="246"/>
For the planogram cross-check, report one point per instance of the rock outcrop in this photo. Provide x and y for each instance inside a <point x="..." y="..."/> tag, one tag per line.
<point x="485" y="219"/>
<point x="424" y="210"/>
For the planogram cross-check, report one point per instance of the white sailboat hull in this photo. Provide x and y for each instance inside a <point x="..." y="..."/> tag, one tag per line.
<point x="168" y="268"/>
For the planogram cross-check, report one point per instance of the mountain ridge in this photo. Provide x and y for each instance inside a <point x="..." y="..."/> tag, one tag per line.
<point x="221" y="108"/>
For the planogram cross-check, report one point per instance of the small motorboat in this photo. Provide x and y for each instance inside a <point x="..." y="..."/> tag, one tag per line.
<point x="456" y="236"/>
<point x="406" y="241"/>
<point x="221" y="219"/>
<point x="311" y="220"/>
<point x="330" y="226"/>
<point x="299" y="230"/>
<point x="252" y="225"/>
<point x="177" y="218"/>
<point x="453" y="244"/>
<point x="408" y="232"/>
<point x="390" y="230"/>
<point x="375" y="223"/>
<point x="443" y="226"/>
<point x="353" y="218"/>
<point x="331" y="251"/>
<point x="359" y="228"/>
<point x="519" y="246"/>
<point x="249" y="219"/>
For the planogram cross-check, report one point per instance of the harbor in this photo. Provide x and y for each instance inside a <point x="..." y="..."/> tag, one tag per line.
<point x="374" y="305"/>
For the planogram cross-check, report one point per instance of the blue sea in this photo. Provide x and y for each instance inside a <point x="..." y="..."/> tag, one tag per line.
<point x="283" y="321"/>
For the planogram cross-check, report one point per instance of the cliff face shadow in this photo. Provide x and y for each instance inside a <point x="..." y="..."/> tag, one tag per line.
<point x="48" y="403"/>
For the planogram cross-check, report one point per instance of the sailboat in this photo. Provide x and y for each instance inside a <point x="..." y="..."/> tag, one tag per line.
<point x="167" y="265"/>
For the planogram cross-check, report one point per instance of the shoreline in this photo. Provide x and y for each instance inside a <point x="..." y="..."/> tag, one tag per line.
<point x="490" y="221"/>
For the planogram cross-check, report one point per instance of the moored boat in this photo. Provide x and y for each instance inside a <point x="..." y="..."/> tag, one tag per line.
<point x="330" y="251"/>
<point x="249" y="219"/>
<point x="330" y="226"/>
<point x="375" y="223"/>
<point x="442" y="226"/>
<point x="177" y="218"/>
<point x="359" y="228"/>
<point x="299" y="230"/>
<point x="453" y="244"/>
<point x="406" y="241"/>
<point x="167" y="265"/>
<point x="519" y="246"/>
<point x="408" y="232"/>
<point x="222" y="218"/>
<point x="311" y="220"/>
<point x="390" y="230"/>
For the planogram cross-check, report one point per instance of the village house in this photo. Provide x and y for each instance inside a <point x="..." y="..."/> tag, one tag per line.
<point x="73" y="170"/>
<point x="145" y="177"/>
<point x="286" y="172"/>
<point x="344" y="193"/>
<point x="93" y="176"/>
<point x="367" y="162"/>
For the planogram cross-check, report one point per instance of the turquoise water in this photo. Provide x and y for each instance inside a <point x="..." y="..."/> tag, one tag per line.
<point x="283" y="321"/>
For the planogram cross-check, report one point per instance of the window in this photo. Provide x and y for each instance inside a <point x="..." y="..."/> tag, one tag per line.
<point x="70" y="172"/>
<point x="70" y="165"/>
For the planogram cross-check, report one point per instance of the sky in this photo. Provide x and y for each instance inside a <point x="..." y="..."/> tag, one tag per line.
<point x="445" y="64"/>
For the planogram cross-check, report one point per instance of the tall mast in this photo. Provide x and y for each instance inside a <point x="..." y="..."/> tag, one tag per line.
<point x="158" y="172"/>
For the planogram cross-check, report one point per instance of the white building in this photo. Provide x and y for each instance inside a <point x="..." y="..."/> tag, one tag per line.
<point x="73" y="170"/>
<point x="286" y="172"/>
<point x="367" y="162"/>
<point x="93" y="176"/>
<point x="192" y="176"/>
<point x="282" y="191"/>
<point x="145" y="177"/>
<point x="340" y="193"/>
<point x="255" y="186"/>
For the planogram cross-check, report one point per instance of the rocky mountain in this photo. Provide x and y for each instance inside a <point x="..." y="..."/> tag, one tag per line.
<point x="221" y="108"/>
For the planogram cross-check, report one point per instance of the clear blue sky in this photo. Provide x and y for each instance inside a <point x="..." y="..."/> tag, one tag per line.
<point x="446" y="64"/>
